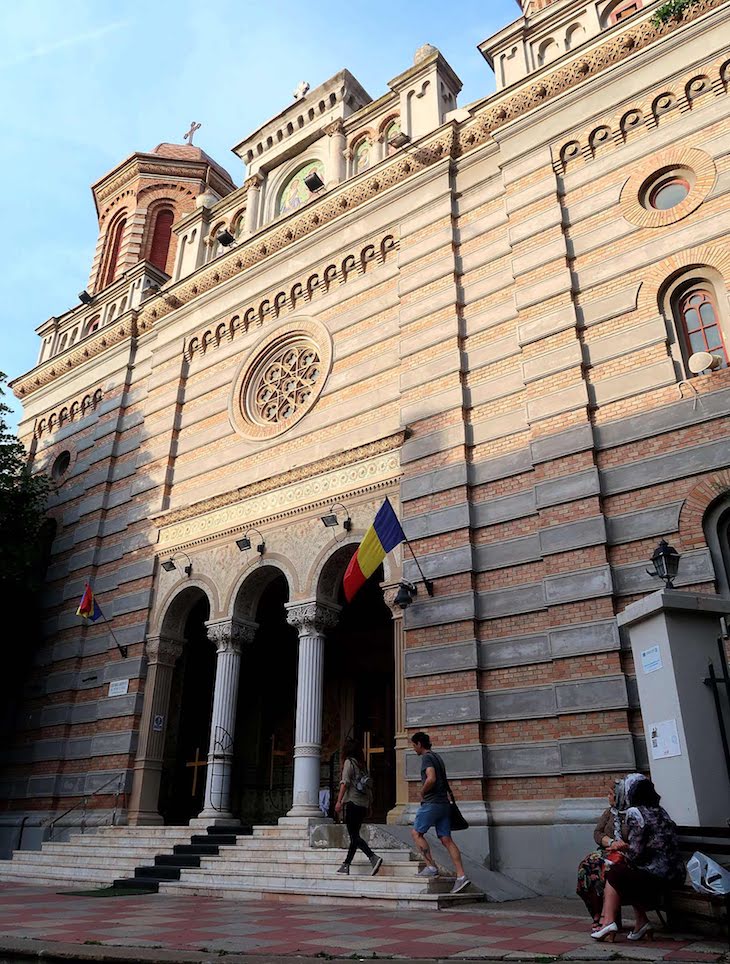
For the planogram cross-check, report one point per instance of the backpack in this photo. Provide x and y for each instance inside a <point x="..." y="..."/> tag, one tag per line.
<point x="363" y="781"/>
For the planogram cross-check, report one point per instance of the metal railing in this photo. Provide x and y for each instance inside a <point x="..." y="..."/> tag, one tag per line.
<point x="118" y="778"/>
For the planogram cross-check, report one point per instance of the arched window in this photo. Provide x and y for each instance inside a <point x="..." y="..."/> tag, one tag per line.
<point x="161" y="238"/>
<point x="114" y="245"/>
<point x="697" y="313"/>
<point x="361" y="158"/>
<point x="92" y="325"/>
<point x="390" y="131"/>
<point x="621" y="10"/>
<point x="295" y="192"/>
<point x="716" y="524"/>
<point x="548" y="51"/>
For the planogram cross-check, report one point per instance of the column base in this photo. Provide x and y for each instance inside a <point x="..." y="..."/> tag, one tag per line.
<point x="145" y="818"/>
<point x="306" y="810"/>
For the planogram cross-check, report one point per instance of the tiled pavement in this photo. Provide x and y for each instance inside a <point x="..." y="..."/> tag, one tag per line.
<point x="205" y="924"/>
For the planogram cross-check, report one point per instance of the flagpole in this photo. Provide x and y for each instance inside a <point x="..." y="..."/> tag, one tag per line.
<point x="122" y="649"/>
<point x="428" y="583"/>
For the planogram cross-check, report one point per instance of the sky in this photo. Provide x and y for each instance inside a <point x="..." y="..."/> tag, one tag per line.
<point x="84" y="83"/>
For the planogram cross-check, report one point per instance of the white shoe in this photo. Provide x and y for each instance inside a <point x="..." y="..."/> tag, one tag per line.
<point x="459" y="884"/>
<point x="429" y="871"/>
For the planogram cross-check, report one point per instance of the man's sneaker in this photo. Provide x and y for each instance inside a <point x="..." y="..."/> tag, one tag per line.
<point x="459" y="884"/>
<point x="376" y="863"/>
<point x="428" y="871"/>
<point x="344" y="869"/>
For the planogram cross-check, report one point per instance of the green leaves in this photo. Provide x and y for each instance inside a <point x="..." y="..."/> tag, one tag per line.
<point x="671" y="10"/>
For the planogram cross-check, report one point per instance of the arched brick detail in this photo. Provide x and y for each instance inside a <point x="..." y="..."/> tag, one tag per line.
<point x="699" y="500"/>
<point x="713" y="255"/>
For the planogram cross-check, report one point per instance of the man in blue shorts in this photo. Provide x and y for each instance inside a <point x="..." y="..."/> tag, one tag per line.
<point x="434" y="812"/>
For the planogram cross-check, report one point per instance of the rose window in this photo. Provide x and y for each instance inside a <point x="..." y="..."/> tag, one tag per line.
<point x="284" y="383"/>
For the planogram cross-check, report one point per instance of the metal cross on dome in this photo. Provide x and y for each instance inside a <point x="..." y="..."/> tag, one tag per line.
<point x="301" y="90"/>
<point x="189" y="136"/>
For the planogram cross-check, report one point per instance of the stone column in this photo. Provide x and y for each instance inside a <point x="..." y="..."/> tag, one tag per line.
<point x="162" y="654"/>
<point x="311" y="621"/>
<point x="253" y="197"/>
<point x="402" y="743"/>
<point x="336" y="133"/>
<point x="228" y="635"/>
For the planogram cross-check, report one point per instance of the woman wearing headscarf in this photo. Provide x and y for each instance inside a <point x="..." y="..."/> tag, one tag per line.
<point x="651" y="864"/>
<point x="609" y="831"/>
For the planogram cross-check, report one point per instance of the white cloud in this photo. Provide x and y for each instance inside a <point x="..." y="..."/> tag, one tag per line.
<point x="44" y="50"/>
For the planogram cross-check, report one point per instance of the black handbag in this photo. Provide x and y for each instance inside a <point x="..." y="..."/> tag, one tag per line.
<point x="456" y="817"/>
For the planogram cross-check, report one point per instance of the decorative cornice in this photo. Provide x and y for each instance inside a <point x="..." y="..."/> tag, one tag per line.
<point x="147" y="167"/>
<point x="274" y="482"/>
<point x="276" y="303"/>
<point x="108" y="336"/>
<point x="351" y="481"/>
<point x="312" y="618"/>
<point x="452" y="140"/>
<point x="81" y="405"/>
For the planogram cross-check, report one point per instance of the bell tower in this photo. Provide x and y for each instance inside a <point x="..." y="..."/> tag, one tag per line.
<point x="138" y="202"/>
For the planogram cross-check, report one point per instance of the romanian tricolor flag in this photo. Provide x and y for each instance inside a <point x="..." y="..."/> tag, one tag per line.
<point x="382" y="537"/>
<point x="89" y="607"/>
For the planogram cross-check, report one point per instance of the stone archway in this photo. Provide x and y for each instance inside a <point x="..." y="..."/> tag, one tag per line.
<point x="263" y="744"/>
<point x="359" y="676"/>
<point x="163" y="650"/>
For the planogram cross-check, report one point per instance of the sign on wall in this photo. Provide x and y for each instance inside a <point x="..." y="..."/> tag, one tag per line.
<point x="119" y="687"/>
<point x="664" y="740"/>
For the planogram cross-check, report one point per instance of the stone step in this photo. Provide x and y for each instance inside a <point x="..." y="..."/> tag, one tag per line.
<point x="302" y="868"/>
<point x="40" y="858"/>
<point x="28" y="871"/>
<point x="109" y="851"/>
<point x="318" y="856"/>
<point x="124" y="839"/>
<point x="332" y="883"/>
<point x="308" y="896"/>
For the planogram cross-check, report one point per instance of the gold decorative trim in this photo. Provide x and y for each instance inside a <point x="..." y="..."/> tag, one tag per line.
<point x="283" y="502"/>
<point x="371" y="450"/>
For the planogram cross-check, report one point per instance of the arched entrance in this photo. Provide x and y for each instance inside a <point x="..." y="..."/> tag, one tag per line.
<point x="187" y="727"/>
<point x="262" y="777"/>
<point x="359" y="678"/>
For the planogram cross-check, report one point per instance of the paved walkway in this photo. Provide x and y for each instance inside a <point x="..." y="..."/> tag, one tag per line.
<point x="181" y="928"/>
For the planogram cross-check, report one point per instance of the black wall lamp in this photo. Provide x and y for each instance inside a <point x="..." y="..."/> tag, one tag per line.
<point x="169" y="564"/>
<point x="244" y="542"/>
<point x="225" y="238"/>
<point x="665" y="560"/>
<point x="407" y="592"/>
<point x="330" y="520"/>
<point x="84" y="297"/>
<point x="314" y="182"/>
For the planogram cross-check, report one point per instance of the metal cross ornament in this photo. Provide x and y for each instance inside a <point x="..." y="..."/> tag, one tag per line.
<point x="189" y="136"/>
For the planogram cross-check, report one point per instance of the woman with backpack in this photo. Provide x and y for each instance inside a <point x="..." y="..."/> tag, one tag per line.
<point x="355" y="797"/>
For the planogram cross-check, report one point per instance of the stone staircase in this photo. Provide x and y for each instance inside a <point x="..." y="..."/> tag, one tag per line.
<point x="281" y="862"/>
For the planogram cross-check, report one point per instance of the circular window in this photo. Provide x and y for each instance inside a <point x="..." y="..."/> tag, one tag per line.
<point x="281" y="381"/>
<point x="60" y="465"/>
<point x="667" y="189"/>
<point x="669" y="193"/>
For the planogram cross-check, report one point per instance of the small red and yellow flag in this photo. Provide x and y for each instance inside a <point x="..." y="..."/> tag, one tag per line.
<point x="89" y="607"/>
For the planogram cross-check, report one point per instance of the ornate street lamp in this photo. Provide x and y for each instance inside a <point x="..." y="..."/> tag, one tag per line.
<point x="666" y="563"/>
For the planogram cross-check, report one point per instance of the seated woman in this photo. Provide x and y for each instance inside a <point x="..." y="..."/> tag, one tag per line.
<point x="609" y="831"/>
<point x="651" y="864"/>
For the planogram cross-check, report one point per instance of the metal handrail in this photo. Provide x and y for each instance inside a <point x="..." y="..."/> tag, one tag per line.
<point x="118" y="778"/>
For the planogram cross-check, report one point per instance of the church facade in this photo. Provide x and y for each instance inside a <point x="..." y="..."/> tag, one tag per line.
<point x="511" y="318"/>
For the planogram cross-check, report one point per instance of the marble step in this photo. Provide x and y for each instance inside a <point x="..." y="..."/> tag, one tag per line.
<point x="300" y="868"/>
<point x="56" y="873"/>
<point x="110" y="851"/>
<point x="38" y="857"/>
<point x="324" y="895"/>
<point x="332" y="883"/>
<point x="314" y="856"/>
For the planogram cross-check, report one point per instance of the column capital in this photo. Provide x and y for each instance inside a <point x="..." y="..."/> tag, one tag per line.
<point x="230" y="634"/>
<point x="336" y="127"/>
<point x="165" y="650"/>
<point x="254" y="182"/>
<point x="389" y="594"/>
<point x="312" y="617"/>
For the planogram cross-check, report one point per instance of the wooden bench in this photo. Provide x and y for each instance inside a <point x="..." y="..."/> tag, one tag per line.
<point x="686" y="908"/>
